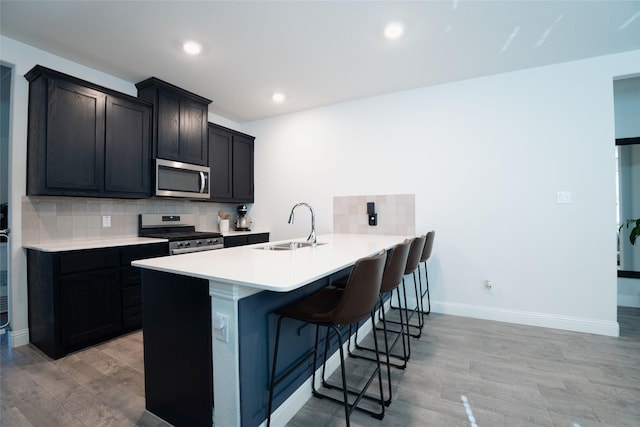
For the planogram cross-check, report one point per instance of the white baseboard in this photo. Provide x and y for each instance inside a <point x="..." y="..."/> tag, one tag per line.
<point x="569" y="323"/>
<point x="19" y="338"/>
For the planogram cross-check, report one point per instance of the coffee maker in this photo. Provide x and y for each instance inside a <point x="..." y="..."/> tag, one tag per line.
<point x="243" y="223"/>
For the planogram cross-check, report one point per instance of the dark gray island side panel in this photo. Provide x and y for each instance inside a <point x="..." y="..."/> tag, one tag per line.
<point x="178" y="352"/>
<point x="177" y="348"/>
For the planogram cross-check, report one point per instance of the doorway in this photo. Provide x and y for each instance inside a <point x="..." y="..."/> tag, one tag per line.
<point x="5" y="102"/>
<point x="626" y="95"/>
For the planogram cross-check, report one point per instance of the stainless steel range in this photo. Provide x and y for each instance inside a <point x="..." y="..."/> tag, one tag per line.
<point x="181" y="232"/>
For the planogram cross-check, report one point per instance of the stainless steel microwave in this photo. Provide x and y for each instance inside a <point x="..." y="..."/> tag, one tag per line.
<point x="176" y="179"/>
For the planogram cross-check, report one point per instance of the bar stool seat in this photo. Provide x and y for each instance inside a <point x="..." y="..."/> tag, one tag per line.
<point x="332" y="308"/>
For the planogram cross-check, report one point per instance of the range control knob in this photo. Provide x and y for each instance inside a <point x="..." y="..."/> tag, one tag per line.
<point x="209" y="242"/>
<point x="187" y="244"/>
<point x="179" y="244"/>
<point x="198" y="242"/>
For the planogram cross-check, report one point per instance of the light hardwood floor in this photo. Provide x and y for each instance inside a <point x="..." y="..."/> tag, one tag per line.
<point x="511" y="375"/>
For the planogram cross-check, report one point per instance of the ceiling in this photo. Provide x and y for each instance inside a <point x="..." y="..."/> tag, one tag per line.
<point x="317" y="52"/>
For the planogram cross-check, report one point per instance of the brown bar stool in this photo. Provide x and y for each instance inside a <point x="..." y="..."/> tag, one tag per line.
<point x="391" y="278"/>
<point x="332" y="308"/>
<point x="426" y="254"/>
<point x="415" y="253"/>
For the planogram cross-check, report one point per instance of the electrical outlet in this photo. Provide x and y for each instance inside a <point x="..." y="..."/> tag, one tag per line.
<point x="221" y="327"/>
<point x="106" y="221"/>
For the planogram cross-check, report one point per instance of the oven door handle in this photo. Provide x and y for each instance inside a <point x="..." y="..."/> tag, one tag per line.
<point x="196" y="249"/>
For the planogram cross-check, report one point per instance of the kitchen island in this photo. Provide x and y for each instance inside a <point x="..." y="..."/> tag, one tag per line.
<point x="245" y="285"/>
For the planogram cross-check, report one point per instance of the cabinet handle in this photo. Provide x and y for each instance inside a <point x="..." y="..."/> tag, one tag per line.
<point x="202" y="182"/>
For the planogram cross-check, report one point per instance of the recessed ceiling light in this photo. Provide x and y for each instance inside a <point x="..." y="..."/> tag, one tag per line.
<point x="394" y="30"/>
<point x="192" y="48"/>
<point x="278" y="97"/>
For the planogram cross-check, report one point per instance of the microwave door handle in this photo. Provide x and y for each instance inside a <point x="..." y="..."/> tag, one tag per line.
<point x="202" y="182"/>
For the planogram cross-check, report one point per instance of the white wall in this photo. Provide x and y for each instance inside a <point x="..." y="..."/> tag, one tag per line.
<point x="485" y="158"/>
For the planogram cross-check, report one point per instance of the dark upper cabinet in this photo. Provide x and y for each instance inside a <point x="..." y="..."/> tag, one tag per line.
<point x="126" y="158"/>
<point x="220" y="162"/>
<point x="243" y="168"/>
<point x="180" y="122"/>
<point x="85" y="140"/>
<point x="231" y="163"/>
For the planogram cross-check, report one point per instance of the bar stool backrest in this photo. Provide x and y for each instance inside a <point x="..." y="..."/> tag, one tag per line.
<point x="415" y="252"/>
<point x="428" y="246"/>
<point x="394" y="269"/>
<point x="361" y="291"/>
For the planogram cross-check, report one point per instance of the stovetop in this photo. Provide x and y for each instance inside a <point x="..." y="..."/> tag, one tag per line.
<point x="174" y="227"/>
<point x="173" y="236"/>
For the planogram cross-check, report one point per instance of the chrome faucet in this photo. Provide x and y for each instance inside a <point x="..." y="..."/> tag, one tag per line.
<point x="312" y="236"/>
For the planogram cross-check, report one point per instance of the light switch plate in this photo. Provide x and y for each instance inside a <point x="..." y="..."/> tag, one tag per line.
<point x="106" y="221"/>
<point x="563" y="197"/>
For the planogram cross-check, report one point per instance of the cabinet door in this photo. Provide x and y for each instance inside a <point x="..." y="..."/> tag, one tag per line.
<point x="75" y="137"/>
<point x="243" y="168"/>
<point x="220" y="155"/>
<point x="127" y="145"/>
<point x="91" y="308"/>
<point x="193" y="133"/>
<point x="168" y="126"/>
<point x="182" y="129"/>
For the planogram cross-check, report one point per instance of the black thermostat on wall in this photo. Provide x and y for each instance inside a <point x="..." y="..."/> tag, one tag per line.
<point x="371" y="213"/>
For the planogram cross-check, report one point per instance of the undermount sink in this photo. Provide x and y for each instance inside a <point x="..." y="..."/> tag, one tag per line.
<point x="289" y="246"/>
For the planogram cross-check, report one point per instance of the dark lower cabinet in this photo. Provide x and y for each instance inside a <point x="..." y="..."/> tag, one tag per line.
<point x="245" y="239"/>
<point x="80" y="298"/>
<point x="90" y="307"/>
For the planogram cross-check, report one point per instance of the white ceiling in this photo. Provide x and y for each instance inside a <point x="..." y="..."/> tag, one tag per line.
<point x="317" y="52"/>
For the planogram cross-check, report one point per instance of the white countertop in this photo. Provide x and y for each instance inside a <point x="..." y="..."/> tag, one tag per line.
<point x="74" y="245"/>
<point x="279" y="271"/>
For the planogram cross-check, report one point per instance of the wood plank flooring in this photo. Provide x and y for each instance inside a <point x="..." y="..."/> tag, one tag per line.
<point x="510" y="375"/>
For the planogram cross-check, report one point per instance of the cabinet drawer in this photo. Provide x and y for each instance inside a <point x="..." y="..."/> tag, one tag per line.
<point x="95" y="259"/>
<point x="132" y="295"/>
<point x="257" y="238"/>
<point x="132" y="253"/>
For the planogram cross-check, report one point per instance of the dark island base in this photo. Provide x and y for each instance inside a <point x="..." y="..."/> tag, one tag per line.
<point x="178" y="352"/>
<point x="177" y="348"/>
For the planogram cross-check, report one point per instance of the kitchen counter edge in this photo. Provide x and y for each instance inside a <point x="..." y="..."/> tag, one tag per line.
<point x="76" y="245"/>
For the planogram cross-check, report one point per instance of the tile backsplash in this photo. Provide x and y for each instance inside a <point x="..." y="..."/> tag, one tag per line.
<point x="396" y="214"/>
<point x="48" y="219"/>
